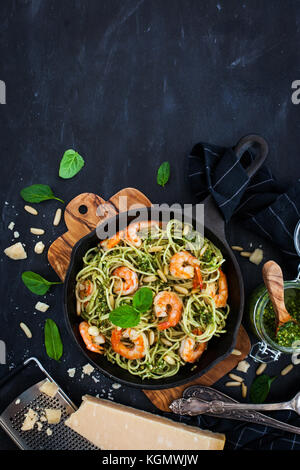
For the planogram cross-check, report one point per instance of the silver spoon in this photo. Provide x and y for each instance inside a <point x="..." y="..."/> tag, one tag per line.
<point x="192" y="406"/>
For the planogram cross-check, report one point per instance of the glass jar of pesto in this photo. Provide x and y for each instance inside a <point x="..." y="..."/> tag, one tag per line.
<point x="264" y="323"/>
<point x="262" y="315"/>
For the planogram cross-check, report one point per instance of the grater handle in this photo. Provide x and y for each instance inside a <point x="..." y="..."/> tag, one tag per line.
<point x="12" y="374"/>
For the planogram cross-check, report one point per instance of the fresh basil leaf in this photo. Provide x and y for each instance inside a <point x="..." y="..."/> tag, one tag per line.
<point x="36" y="283"/>
<point x="71" y="163"/>
<point x="142" y="299"/>
<point x="125" y="316"/>
<point x="260" y="388"/>
<point x="38" y="193"/>
<point x="53" y="343"/>
<point x="163" y="173"/>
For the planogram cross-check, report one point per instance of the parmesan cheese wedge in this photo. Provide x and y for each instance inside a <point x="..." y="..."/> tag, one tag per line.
<point x="16" y="251"/>
<point x="111" y="426"/>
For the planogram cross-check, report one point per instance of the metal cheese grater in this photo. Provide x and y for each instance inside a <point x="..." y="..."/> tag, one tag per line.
<point x="62" y="437"/>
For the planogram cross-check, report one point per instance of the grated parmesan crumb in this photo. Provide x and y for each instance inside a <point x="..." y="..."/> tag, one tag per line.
<point x="11" y="226"/>
<point x="88" y="369"/>
<point x="116" y="386"/>
<point x="49" y="432"/>
<point x="39" y="426"/>
<point x="243" y="366"/>
<point x="71" y="372"/>
<point x="41" y="307"/>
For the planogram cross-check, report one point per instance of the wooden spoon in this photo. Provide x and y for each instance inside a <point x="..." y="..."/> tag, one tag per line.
<point x="273" y="279"/>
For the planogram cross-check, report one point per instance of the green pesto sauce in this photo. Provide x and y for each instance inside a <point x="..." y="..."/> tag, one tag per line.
<point x="289" y="332"/>
<point x="208" y="255"/>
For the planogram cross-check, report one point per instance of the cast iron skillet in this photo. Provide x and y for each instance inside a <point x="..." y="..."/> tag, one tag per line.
<point x="218" y="348"/>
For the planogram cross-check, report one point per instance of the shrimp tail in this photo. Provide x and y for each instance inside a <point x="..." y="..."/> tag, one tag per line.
<point x="198" y="280"/>
<point x="87" y="338"/>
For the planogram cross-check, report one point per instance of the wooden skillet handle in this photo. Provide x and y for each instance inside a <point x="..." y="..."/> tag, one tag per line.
<point x="273" y="279"/>
<point x="80" y="223"/>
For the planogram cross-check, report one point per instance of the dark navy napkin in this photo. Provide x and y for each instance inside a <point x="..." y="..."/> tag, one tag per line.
<point x="266" y="206"/>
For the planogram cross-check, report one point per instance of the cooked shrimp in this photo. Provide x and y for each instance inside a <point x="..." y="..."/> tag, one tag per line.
<point x="190" y="350"/>
<point x="183" y="265"/>
<point x="85" y="291"/>
<point x="221" y="287"/>
<point x="89" y="339"/>
<point x="198" y="280"/>
<point x="128" y="282"/>
<point x="133" y="229"/>
<point x="222" y="296"/>
<point x="85" y="288"/>
<point x="137" y="347"/>
<point x="168" y="304"/>
<point x="112" y="241"/>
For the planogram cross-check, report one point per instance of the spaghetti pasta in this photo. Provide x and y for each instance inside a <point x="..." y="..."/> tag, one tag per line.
<point x="201" y="319"/>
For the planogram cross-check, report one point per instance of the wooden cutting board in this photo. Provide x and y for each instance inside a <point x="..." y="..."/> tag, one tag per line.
<point x="82" y="215"/>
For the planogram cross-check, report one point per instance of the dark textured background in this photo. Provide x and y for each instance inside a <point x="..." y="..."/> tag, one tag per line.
<point x="130" y="84"/>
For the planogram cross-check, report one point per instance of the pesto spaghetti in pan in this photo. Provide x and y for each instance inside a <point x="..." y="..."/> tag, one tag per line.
<point x="152" y="297"/>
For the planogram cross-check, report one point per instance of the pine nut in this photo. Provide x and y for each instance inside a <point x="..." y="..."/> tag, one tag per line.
<point x="261" y="369"/>
<point x="181" y="290"/>
<point x="236" y="352"/>
<point x="26" y="330"/>
<point x="151" y="337"/>
<point x="287" y="369"/>
<point x="155" y="249"/>
<point x="244" y="390"/>
<point x="149" y="279"/>
<point x="31" y="210"/>
<point x="166" y="342"/>
<point x="162" y="276"/>
<point x="233" y="384"/>
<point x="57" y="217"/>
<point x="237" y="248"/>
<point x="236" y="378"/>
<point x="166" y="269"/>
<point x="246" y="254"/>
<point x="78" y="308"/>
<point x="37" y="231"/>
<point x="170" y="360"/>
